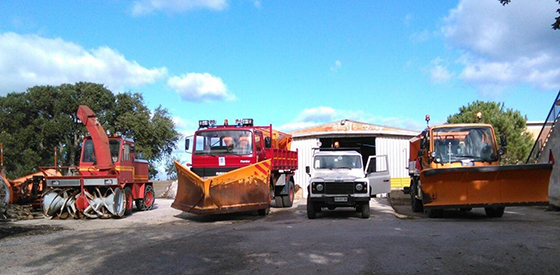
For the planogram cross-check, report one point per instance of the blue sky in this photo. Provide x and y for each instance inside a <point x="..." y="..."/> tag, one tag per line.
<point x="293" y="64"/>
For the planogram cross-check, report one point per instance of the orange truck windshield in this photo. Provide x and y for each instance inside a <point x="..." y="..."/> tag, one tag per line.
<point x="454" y="144"/>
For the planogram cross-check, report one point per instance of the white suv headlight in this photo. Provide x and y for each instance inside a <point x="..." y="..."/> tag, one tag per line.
<point x="359" y="187"/>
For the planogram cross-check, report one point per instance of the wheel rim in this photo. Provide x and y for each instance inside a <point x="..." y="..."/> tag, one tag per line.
<point x="128" y="200"/>
<point x="148" y="197"/>
<point x="291" y="193"/>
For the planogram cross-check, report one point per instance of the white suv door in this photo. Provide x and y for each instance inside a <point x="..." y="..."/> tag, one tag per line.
<point x="377" y="172"/>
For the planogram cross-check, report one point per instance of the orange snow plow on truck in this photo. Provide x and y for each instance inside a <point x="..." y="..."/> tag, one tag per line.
<point x="236" y="168"/>
<point x="457" y="166"/>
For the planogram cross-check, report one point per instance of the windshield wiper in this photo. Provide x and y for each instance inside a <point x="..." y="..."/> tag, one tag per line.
<point x="466" y="156"/>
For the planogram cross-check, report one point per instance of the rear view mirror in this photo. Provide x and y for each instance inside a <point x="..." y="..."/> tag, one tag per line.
<point x="187" y="143"/>
<point x="267" y="143"/>
<point x="503" y="140"/>
<point x="424" y="140"/>
<point x="307" y="170"/>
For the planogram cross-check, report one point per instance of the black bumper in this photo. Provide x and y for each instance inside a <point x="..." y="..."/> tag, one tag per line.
<point x="330" y="201"/>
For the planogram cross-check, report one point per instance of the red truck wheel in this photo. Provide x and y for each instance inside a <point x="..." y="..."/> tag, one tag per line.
<point x="129" y="200"/>
<point x="288" y="200"/>
<point x="147" y="203"/>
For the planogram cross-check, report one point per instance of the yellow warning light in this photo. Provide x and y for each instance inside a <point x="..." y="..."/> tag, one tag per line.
<point x="336" y="145"/>
<point x="479" y="115"/>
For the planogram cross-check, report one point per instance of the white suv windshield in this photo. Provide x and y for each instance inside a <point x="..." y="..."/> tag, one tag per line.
<point x="337" y="162"/>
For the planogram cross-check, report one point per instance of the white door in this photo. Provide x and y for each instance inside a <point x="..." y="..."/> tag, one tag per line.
<point x="377" y="172"/>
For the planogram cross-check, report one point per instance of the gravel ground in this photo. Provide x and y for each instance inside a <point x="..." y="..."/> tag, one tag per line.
<point x="167" y="241"/>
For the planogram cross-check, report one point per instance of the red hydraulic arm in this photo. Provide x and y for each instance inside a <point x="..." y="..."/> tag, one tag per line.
<point x="98" y="136"/>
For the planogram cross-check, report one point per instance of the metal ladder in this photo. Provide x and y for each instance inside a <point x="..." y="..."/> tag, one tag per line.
<point x="548" y="128"/>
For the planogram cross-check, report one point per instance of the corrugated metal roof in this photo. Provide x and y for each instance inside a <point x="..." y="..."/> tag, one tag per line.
<point x="350" y="127"/>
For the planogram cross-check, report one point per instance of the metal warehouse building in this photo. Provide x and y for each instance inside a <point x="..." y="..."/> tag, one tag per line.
<point x="371" y="139"/>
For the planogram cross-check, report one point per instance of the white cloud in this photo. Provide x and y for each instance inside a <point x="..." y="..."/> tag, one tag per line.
<point x="336" y="66"/>
<point x="29" y="60"/>
<point x="420" y="37"/>
<point x="181" y="123"/>
<point x="322" y="115"/>
<point x="317" y="114"/>
<point x="407" y="19"/>
<point x="199" y="87"/>
<point x="438" y="71"/>
<point x="257" y="4"/>
<point x="144" y="7"/>
<point x="506" y="45"/>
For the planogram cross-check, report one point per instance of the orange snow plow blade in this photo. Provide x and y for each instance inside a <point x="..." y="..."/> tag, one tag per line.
<point x="476" y="186"/>
<point x="242" y="189"/>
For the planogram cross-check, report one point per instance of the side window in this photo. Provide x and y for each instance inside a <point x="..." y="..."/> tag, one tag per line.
<point x="377" y="164"/>
<point x="126" y="152"/>
<point x="258" y="137"/>
<point x="114" y="146"/>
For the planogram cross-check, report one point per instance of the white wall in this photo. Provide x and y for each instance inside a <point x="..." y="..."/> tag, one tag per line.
<point x="305" y="158"/>
<point x="397" y="151"/>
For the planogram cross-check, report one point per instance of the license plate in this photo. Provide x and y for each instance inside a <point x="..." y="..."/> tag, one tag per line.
<point x="340" y="199"/>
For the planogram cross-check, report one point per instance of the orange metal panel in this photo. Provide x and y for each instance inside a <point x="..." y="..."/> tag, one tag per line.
<point x="246" y="188"/>
<point x="485" y="185"/>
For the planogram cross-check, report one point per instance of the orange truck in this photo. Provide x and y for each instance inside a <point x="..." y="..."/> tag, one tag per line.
<point x="236" y="168"/>
<point x="456" y="166"/>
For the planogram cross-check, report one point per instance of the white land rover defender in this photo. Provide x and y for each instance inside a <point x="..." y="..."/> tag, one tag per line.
<point x="338" y="180"/>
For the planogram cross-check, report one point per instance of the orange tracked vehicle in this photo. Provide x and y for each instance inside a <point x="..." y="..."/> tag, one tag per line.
<point x="457" y="166"/>
<point x="236" y="168"/>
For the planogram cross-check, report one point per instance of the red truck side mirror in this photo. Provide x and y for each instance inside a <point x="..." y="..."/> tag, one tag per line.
<point x="187" y="143"/>
<point x="267" y="142"/>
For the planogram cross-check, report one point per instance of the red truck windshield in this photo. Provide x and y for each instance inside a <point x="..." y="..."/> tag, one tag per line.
<point x="223" y="142"/>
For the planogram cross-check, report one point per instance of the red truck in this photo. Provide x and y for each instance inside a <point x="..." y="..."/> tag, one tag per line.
<point x="236" y="168"/>
<point x="108" y="180"/>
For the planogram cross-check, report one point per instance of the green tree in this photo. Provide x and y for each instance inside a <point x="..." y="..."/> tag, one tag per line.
<point x="36" y="121"/>
<point x="505" y="121"/>
<point x="555" y="24"/>
<point x="170" y="169"/>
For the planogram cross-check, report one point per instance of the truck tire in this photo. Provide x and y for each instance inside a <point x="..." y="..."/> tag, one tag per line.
<point x="494" y="212"/>
<point x="435" y="213"/>
<point x="365" y="210"/>
<point x="129" y="200"/>
<point x="147" y="203"/>
<point x="288" y="200"/>
<point x="263" y="212"/>
<point x="311" y="210"/>
<point x="415" y="203"/>
<point x="279" y="202"/>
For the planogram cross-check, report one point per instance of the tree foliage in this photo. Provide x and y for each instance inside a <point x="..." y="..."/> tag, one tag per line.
<point x="555" y="24"/>
<point x="505" y="121"/>
<point x="36" y="121"/>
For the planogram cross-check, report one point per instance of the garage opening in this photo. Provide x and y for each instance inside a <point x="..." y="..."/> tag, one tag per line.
<point x="364" y="145"/>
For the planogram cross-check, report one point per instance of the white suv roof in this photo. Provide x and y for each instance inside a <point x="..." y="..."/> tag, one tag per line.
<point x="337" y="153"/>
